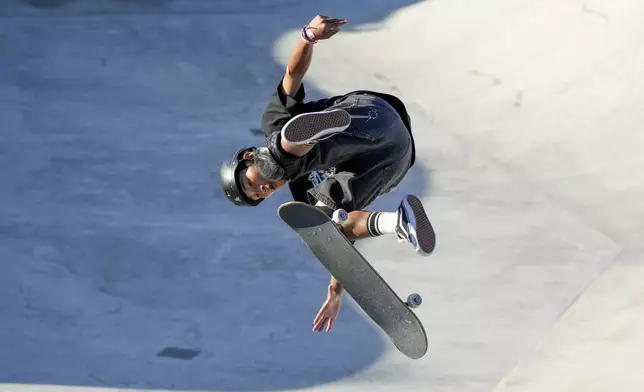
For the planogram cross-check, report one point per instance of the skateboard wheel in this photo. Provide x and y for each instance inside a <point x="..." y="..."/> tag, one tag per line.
<point x="414" y="300"/>
<point x="340" y="216"/>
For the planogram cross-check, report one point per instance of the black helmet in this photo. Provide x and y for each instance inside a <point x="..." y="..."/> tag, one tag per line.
<point x="229" y="179"/>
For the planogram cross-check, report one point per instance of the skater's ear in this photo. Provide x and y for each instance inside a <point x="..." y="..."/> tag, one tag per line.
<point x="248" y="155"/>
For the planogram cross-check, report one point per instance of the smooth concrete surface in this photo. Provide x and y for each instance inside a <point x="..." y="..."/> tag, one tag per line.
<point x="116" y="244"/>
<point x="596" y="346"/>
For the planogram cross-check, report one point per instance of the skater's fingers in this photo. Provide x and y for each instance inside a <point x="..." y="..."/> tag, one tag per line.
<point x="319" y="327"/>
<point x="330" y="325"/>
<point x="319" y="324"/>
<point x="336" y="21"/>
<point x="334" y="26"/>
<point x="317" y="318"/>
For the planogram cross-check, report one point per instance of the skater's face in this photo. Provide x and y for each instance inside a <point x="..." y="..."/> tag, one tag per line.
<point x="255" y="186"/>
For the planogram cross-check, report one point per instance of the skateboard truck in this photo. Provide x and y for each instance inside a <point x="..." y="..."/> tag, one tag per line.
<point x="340" y="216"/>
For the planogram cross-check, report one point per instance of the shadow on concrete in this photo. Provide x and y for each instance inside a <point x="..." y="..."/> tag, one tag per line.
<point x="116" y="244"/>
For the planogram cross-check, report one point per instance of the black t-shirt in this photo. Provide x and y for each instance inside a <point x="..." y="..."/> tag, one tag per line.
<point x="282" y="107"/>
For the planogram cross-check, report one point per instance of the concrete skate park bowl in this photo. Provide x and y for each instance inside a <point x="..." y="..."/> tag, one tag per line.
<point x="123" y="265"/>
<point x="123" y="268"/>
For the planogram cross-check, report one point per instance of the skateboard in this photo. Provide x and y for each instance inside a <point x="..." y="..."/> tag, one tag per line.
<point x="360" y="280"/>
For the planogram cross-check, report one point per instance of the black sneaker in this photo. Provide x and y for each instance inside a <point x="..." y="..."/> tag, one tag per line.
<point x="414" y="226"/>
<point x="309" y="128"/>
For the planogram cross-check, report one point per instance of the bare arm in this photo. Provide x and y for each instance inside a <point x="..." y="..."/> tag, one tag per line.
<point x="330" y="308"/>
<point x="320" y="28"/>
<point x="297" y="66"/>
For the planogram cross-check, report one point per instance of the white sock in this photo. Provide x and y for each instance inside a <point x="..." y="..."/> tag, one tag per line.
<point x="380" y="223"/>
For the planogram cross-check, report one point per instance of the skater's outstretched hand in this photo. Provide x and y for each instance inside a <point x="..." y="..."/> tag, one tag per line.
<point x="324" y="27"/>
<point x="329" y="311"/>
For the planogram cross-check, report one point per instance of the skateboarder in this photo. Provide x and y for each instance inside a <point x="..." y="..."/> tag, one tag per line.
<point x="338" y="152"/>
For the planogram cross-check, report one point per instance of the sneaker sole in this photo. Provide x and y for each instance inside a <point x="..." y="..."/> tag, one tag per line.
<point x="308" y="127"/>
<point x="424" y="232"/>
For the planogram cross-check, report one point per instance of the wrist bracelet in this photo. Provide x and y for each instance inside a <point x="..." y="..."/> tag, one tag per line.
<point x="308" y="36"/>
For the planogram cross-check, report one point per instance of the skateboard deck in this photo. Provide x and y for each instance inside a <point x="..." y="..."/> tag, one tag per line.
<point x="359" y="279"/>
